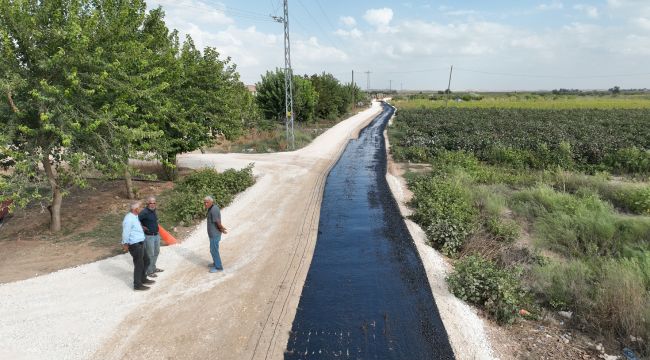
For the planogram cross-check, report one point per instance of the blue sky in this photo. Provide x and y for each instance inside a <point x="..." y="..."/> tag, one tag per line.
<point x="493" y="45"/>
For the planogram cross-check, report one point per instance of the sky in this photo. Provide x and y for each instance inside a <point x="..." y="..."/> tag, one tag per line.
<point x="499" y="45"/>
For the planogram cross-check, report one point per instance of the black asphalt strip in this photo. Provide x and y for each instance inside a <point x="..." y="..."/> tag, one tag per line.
<point x="366" y="295"/>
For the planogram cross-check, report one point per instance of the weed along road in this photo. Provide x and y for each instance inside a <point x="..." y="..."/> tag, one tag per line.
<point x="366" y="295"/>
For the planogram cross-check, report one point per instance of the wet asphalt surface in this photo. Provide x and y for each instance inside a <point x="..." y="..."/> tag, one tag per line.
<point x="366" y="295"/>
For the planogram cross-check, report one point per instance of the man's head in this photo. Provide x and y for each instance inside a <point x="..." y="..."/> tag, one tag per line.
<point x="151" y="203"/>
<point x="208" y="201"/>
<point x="135" y="207"/>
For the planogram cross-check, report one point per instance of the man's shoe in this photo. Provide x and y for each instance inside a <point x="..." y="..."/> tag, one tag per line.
<point x="214" y="270"/>
<point x="141" y="288"/>
<point x="148" y="281"/>
<point x="158" y="270"/>
<point x="152" y="275"/>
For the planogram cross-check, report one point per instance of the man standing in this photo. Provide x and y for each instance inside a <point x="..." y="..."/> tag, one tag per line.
<point x="215" y="228"/>
<point x="149" y="220"/>
<point x="133" y="242"/>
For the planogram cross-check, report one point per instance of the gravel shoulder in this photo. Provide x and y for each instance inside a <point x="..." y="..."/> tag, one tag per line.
<point x="91" y="311"/>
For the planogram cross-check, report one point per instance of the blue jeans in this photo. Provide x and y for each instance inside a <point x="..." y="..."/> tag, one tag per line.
<point x="214" y="250"/>
<point x="152" y="247"/>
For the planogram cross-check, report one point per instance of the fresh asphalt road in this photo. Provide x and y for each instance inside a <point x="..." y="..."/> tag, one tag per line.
<point x="366" y="295"/>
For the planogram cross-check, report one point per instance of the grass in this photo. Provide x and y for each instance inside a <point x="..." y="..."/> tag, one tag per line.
<point x="105" y="233"/>
<point x="600" y="267"/>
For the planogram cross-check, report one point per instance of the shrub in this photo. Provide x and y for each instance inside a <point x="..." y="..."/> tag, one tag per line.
<point x="631" y="160"/>
<point x="632" y="198"/>
<point x="504" y="230"/>
<point x="565" y="286"/>
<point x="482" y="282"/>
<point x="184" y="203"/>
<point x="579" y="224"/>
<point x="443" y="207"/>
<point x="610" y="295"/>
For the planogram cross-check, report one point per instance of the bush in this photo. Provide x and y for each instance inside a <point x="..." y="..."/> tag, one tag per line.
<point x="443" y="207"/>
<point x="609" y="295"/>
<point x="579" y="224"/>
<point x="631" y="160"/>
<point x="504" y="230"/>
<point x="482" y="282"/>
<point x="184" y="203"/>
<point x="632" y="198"/>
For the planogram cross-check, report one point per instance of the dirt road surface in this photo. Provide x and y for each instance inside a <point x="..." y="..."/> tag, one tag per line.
<point x="244" y="312"/>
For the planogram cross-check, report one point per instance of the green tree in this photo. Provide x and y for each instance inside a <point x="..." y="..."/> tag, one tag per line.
<point x="333" y="98"/>
<point x="129" y="85"/>
<point x="305" y="99"/>
<point x="270" y="96"/>
<point x="206" y="94"/>
<point x="49" y="106"/>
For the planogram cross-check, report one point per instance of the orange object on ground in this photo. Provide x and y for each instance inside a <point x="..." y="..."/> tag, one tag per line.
<point x="165" y="236"/>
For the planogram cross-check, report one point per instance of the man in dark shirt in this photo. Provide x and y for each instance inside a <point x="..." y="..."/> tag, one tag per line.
<point x="215" y="229"/>
<point x="149" y="220"/>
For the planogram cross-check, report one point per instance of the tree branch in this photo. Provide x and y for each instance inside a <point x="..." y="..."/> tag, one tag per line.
<point x="11" y="102"/>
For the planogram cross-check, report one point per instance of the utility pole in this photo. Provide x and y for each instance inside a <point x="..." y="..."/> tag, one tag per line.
<point x="367" y="80"/>
<point x="390" y="86"/>
<point x="401" y="87"/>
<point x="352" y="87"/>
<point x="449" y="86"/>
<point x="288" y="76"/>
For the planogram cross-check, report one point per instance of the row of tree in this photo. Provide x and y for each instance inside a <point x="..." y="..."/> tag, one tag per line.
<point x="315" y="97"/>
<point x="90" y="84"/>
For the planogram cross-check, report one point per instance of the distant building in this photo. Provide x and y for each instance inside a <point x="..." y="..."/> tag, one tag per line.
<point x="252" y="89"/>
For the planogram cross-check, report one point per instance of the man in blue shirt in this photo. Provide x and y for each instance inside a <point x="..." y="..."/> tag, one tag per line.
<point x="215" y="228"/>
<point x="133" y="242"/>
<point x="149" y="220"/>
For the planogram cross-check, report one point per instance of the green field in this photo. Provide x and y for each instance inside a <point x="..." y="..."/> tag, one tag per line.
<point x="545" y="207"/>
<point x="528" y="101"/>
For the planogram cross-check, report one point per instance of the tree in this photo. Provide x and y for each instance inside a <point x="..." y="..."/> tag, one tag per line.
<point x="49" y="106"/>
<point x="129" y="85"/>
<point x="270" y="95"/>
<point x="333" y="99"/>
<point x="205" y="93"/>
<point x="271" y="98"/>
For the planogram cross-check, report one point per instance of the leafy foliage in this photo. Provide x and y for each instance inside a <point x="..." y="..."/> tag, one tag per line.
<point x="481" y="282"/>
<point x="533" y="138"/>
<point x="185" y="202"/>
<point x="444" y="209"/>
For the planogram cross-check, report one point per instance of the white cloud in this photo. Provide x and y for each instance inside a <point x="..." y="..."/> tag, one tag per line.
<point x="590" y="11"/>
<point x="348" y="21"/>
<point x="555" y="5"/>
<point x="643" y="23"/>
<point x="354" y="33"/>
<point x="380" y="18"/>
<point x="409" y="45"/>
<point x="461" y="12"/>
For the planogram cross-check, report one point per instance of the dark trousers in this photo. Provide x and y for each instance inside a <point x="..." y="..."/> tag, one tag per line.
<point x="140" y="262"/>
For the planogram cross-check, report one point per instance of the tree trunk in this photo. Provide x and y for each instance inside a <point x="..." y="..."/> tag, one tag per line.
<point x="170" y="167"/>
<point x="57" y="196"/>
<point x="129" y="183"/>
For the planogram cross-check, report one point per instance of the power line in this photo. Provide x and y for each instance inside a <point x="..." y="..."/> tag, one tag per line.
<point x="319" y="26"/>
<point x="228" y="12"/>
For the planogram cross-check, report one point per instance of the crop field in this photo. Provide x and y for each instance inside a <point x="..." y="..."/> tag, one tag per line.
<point x="545" y="209"/>
<point x="528" y="101"/>
<point x="601" y="139"/>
